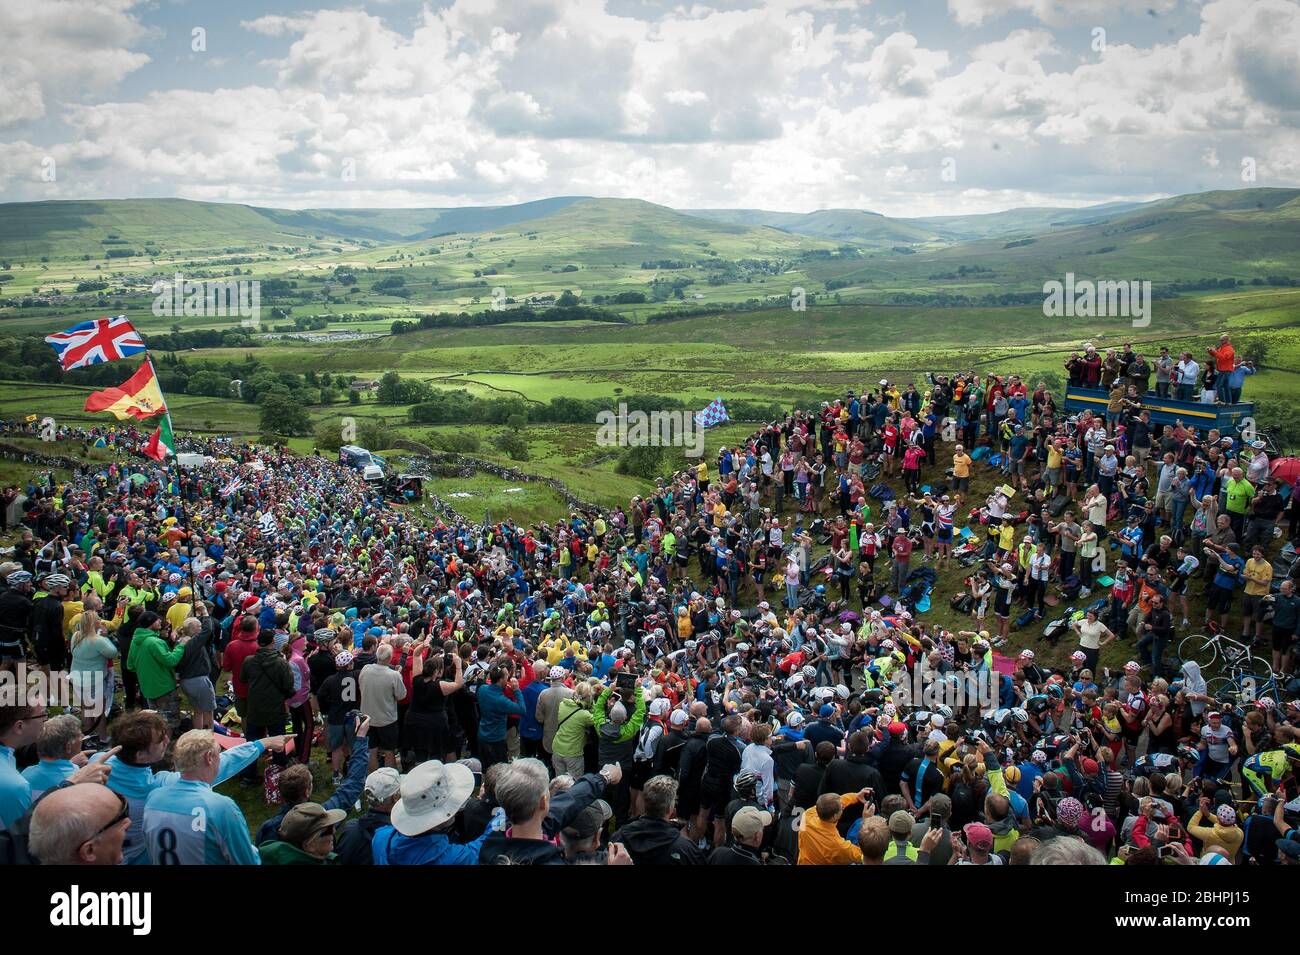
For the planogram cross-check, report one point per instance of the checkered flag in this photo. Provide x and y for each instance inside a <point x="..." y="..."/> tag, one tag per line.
<point x="715" y="413"/>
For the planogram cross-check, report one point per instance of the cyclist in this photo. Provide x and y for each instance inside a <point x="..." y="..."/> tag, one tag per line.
<point x="1265" y="771"/>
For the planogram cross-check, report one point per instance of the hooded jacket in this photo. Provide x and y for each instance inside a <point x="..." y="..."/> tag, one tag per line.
<point x="269" y="683"/>
<point x="241" y="646"/>
<point x="616" y="742"/>
<point x="652" y="841"/>
<point x="153" y="662"/>
<point x="820" y="842"/>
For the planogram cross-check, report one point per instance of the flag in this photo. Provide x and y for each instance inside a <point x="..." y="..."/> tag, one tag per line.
<point x="31" y="418"/>
<point x="232" y="487"/>
<point x="139" y="397"/>
<point x="162" y="443"/>
<point x="93" y="342"/>
<point x="715" y="413"/>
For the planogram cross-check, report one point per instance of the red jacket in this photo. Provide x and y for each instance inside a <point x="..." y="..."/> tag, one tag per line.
<point x="241" y="645"/>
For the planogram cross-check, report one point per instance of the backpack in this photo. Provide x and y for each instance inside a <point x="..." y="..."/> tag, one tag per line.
<point x="962" y="603"/>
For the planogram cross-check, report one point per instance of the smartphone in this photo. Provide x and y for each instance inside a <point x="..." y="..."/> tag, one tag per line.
<point x="936" y="821"/>
<point x="1164" y="852"/>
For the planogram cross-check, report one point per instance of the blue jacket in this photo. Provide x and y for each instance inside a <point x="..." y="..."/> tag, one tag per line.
<point x="344" y="797"/>
<point x="137" y="783"/>
<point x="529" y="728"/>
<point x="494" y="707"/>
<point x="390" y="847"/>
<point x="173" y="834"/>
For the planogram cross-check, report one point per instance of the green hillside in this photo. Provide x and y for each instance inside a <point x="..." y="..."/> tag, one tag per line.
<point x="847" y="225"/>
<point x="74" y="229"/>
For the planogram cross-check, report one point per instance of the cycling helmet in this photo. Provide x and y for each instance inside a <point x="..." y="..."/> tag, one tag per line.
<point x="1011" y="775"/>
<point x="55" y="580"/>
<point x="1190" y="753"/>
<point x="820" y="589"/>
<point x="690" y="645"/>
<point x="1054" y="689"/>
<point x="809" y="673"/>
<point x="1020" y="714"/>
<point x="841" y="691"/>
<point x="944" y="710"/>
<point x="19" y="577"/>
<point x="741" y="672"/>
<point x="1292" y="751"/>
<point x="746" y="784"/>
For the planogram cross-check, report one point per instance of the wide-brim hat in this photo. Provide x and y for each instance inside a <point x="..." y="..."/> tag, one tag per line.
<point x="432" y="793"/>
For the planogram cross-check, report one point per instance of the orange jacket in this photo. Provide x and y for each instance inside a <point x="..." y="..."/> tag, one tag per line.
<point x="1224" y="357"/>
<point x="820" y="842"/>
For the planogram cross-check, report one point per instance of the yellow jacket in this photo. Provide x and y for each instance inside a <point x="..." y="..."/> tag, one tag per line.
<point x="1230" y="837"/>
<point x="820" y="842"/>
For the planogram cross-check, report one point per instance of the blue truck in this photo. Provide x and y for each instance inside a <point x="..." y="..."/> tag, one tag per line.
<point x="1228" y="419"/>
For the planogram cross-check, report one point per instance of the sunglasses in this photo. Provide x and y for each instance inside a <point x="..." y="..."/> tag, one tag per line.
<point x="123" y="812"/>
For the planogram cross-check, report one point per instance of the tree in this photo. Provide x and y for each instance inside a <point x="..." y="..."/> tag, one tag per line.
<point x="513" y="444"/>
<point x="281" y="414"/>
<point x="643" y="461"/>
<point x="354" y="396"/>
<point x="210" y="384"/>
<point x="516" y="422"/>
<point x="567" y="298"/>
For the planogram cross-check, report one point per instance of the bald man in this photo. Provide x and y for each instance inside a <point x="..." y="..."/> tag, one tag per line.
<point x="83" y="824"/>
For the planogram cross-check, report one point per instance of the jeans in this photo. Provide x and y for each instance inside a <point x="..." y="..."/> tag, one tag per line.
<point x="1152" y="649"/>
<point x="792" y="596"/>
<point x="1223" y="388"/>
<point x="1179" y="509"/>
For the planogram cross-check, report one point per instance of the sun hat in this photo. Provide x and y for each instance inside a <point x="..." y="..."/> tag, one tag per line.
<point x="306" y="819"/>
<point x="432" y="793"/>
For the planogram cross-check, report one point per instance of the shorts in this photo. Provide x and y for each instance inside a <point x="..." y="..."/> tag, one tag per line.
<point x="198" y="690"/>
<point x="961" y="483"/>
<point x="688" y="802"/>
<point x="1283" y="637"/>
<point x="340" y="735"/>
<point x="1219" y="598"/>
<point x="943" y="535"/>
<point x="52" y="654"/>
<point x="714" y="796"/>
<point x="1253" y="607"/>
<point x="384" y="737"/>
<point x="642" y="770"/>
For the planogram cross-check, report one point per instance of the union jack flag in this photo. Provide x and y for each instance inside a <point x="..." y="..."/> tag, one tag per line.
<point x="93" y="342"/>
<point x="715" y="413"/>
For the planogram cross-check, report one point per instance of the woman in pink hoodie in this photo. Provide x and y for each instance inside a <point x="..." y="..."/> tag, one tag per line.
<point x="300" y="712"/>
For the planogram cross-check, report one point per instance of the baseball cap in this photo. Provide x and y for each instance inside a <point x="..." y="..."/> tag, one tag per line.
<point x="750" y="821"/>
<point x="590" y="821"/>
<point x="1289" y="847"/>
<point x="900" y="822"/>
<point x="978" y="835"/>
<point x="383" y="783"/>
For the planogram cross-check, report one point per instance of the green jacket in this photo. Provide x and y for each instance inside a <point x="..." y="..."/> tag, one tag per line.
<point x="573" y="720"/>
<point x="153" y="662"/>
<point x="634" y="719"/>
<point x="286" y="853"/>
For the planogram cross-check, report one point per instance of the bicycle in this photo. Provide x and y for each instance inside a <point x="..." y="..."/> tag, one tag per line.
<point x="1207" y="649"/>
<point x="1245" y="687"/>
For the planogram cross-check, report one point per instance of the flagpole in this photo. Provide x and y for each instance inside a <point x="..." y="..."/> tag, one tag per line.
<point x="176" y="474"/>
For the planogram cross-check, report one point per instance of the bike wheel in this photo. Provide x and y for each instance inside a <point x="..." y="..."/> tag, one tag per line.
<point x="1198" y="648"/>
<point x="1220" y="684"/>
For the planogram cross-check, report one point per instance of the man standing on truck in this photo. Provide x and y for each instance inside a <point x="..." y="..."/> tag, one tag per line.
<point x="1225" y="358"/>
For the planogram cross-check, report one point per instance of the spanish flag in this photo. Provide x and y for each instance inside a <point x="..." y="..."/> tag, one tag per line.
<point x="139" y="397"/>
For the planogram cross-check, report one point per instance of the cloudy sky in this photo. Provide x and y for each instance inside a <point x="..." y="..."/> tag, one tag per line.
<point x="907" y="107"/>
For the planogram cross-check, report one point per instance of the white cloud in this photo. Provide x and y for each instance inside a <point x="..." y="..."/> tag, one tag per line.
<point x="786" y="105"/>
<point x="63" y="48"/>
